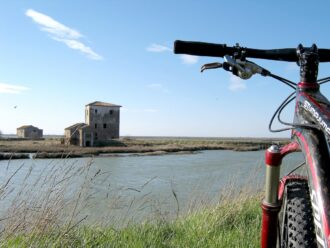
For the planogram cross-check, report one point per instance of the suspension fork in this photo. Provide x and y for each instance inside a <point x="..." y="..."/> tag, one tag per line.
<point x="271" y="204"/>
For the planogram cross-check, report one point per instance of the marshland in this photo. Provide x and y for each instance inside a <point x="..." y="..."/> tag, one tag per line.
<point x="54" y="147"/>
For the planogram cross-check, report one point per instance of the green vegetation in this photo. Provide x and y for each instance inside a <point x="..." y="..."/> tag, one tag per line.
<point x="229" y="224"/>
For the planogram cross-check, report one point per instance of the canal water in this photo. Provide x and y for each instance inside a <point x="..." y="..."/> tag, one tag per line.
<point x="131" y="188"/>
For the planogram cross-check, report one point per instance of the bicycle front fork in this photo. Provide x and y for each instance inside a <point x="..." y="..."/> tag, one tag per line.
<point x="271" y="204"/>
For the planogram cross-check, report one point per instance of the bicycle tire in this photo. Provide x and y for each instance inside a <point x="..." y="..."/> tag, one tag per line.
<point x="296" y="224"/>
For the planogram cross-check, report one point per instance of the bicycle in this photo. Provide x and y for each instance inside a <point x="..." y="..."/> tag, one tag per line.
<point x="295" y="208"/>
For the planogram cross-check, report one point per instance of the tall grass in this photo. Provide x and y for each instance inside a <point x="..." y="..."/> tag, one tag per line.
<point x="47" y="213"/>
<point x="232" y="224"/>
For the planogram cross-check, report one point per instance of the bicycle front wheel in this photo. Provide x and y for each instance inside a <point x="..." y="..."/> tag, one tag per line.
<point x="296" y="226"/>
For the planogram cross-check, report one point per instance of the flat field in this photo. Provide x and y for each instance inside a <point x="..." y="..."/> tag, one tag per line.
<point x="53" y="147"/>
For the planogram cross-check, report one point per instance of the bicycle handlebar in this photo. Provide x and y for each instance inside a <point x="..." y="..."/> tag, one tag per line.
<point x="220" y="50"/>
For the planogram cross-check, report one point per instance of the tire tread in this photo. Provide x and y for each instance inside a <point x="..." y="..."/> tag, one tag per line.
<point x="298" y="216"/>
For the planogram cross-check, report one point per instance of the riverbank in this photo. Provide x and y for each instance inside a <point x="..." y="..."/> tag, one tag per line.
<point x="234" y="223"/>
<point x="53" y="147"/>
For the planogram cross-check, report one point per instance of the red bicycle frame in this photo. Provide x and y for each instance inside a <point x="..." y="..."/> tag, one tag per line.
<point x="311" y="108"/>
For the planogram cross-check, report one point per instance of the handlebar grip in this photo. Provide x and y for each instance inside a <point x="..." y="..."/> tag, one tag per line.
<point x="201" y="48"/>
<point x="220" y="50"/>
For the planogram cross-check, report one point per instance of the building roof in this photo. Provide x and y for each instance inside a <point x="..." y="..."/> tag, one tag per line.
<point x="26" y="126"/>
<point x="75" y="126"/>
<point x="85" y="127"/>
<point x="103" y="104"/>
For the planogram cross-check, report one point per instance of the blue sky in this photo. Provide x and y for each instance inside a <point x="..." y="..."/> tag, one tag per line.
<point x="57" y="56"/>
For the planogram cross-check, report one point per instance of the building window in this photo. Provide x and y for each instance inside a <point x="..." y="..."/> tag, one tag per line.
<point x="95" y="111"/>
<point x="104" y="125"/>
<point x="95" y="125"/>
<point x="111" y="112"/>
<point x="95" y="135"/>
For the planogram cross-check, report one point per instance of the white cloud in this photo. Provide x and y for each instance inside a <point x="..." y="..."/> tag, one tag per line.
<point x="186" y="59"/>
<point x="189" y="59"/>
<point x="236" y="84"/>
<point x="158" y="87"/>
<point x="12" y="89"/>
<point x="62" y="33"/>
<point x="77" y="45"/>
<point x="52" y="26"/>
<point x="156" y="48"/>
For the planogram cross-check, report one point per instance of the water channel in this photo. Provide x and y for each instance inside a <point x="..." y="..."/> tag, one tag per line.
<point x="131" y="188"/>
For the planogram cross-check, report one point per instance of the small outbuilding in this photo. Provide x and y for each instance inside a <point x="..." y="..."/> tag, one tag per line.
<point x="29" y="132"/>
<point x="73" y="134"/>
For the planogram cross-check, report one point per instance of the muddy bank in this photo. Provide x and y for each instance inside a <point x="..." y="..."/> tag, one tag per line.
<point x="52" y="148"/>
<point x="10" y="156"/>
<point x="56" y="155"/>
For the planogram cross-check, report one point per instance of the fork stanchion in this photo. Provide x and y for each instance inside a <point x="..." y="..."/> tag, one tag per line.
<point x="271" y="205"/>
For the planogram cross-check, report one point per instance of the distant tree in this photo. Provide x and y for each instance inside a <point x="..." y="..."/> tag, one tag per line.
<point x="0" y="134"/>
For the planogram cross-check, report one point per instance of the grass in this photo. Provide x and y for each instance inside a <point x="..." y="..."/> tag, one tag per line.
<point x="229" y="224"/>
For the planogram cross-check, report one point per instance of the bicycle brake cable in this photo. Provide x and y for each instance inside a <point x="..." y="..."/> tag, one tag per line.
<point x="280" y="111"/>
<point x="283" y="104"/>
<point x="293" y="124"/>
<point x="323" y="80"/>
<point x="296" y="168"/>
<point x="284" y="80"/>
<point x="289" y="99"/>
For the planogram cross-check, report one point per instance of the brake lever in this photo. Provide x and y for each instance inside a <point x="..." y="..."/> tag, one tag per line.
<point x="238" y="68"/>
<point x="232" y="62"/>
<point x="211" y="66"/>
<point x="243" y="69"/>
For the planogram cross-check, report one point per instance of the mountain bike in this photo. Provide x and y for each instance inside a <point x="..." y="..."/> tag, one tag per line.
<point x="295" y="208"/>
